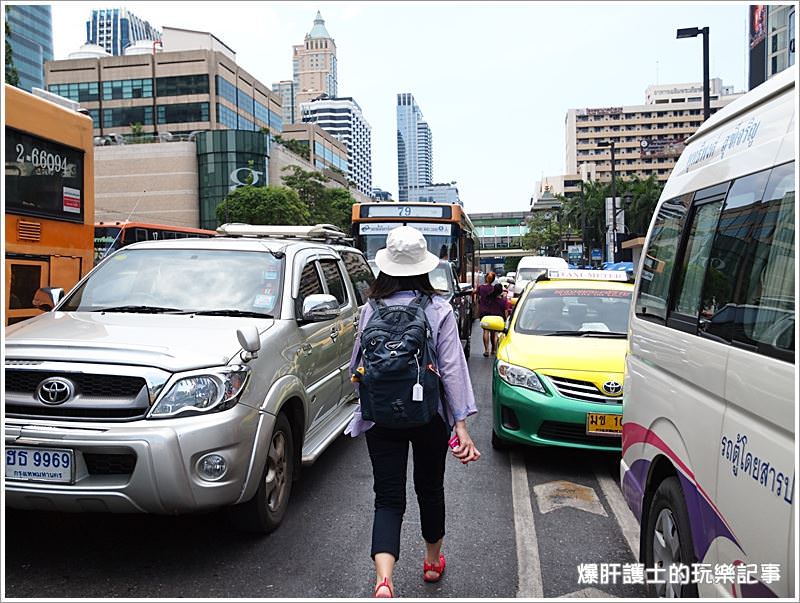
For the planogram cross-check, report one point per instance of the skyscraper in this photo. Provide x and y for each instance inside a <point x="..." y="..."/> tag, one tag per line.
<point x="286" y="90"/>
<point x="117" y="28"/>
<point x="414" y="147"/>
<point x="31" y="42"/>
<point x="314" y="65"/>
<point x="342" y="118"/>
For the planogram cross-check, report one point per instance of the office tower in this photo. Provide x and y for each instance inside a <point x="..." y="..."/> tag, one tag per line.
<point x="342" y="118"/>
<point x="414" y="147"/>
<point x="31" y="42"/>
<point x="117" y="28"/>
<point x="314" y="65"/>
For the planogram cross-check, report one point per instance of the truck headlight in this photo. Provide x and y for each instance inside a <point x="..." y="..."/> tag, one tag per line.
<point x="519" y="376"/>
<point x="210" y="391"/>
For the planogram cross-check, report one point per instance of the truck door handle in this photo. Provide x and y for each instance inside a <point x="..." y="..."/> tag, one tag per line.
<point x="334" y="333"/>
<point x="307" y="349"/>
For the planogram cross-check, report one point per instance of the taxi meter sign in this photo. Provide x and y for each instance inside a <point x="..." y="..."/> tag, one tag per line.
<point x="589" y="275"/>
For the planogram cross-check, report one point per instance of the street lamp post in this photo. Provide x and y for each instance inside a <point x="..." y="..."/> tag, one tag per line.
<point x="613" y="197"/>
<point x="693" y="32"/>
<point x="155" y="89"/>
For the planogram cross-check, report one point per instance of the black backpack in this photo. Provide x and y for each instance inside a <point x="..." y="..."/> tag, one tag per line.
<point x="400" y="385"/>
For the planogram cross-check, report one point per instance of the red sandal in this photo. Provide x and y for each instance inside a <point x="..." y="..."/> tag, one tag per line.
<point x="385" y="583"/>
<point x="432" y="567"/>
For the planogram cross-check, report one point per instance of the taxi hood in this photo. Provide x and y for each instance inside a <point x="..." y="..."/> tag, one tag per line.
<point x="166" y="341"/>
<point x="553" y="352"/>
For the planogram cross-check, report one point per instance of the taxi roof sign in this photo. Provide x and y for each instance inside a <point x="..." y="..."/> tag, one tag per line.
<point x="590" y="275"/>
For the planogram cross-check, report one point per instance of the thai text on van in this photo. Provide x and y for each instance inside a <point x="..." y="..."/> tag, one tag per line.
<point x="743" y="133"/>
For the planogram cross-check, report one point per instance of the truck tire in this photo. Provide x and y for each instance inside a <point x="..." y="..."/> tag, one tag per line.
<point x="264" y="512"/>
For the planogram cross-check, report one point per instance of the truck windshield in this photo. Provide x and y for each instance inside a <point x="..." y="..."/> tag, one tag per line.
<point x="182" y="280"/>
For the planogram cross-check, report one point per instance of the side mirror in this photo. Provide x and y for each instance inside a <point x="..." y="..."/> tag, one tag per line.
<point x="250" y="341"/>
<point x="47" y="298"/>
<point x="493" y="323"/>
<point x="320" y="307"/>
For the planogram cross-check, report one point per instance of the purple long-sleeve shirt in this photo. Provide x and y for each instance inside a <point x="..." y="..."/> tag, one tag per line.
<point x="452" y="364"/>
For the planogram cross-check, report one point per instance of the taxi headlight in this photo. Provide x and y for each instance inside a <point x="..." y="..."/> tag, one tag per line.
<point x="198" y="394"/>
<point x="519" y="376"/>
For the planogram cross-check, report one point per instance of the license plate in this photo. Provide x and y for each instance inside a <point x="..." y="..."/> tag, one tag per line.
<point x="601" y="424"/>
<point x="54" y="465"/>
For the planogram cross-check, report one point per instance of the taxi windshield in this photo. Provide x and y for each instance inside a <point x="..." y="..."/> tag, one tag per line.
<point x="181" y="280"/>
<point x="574" y="311"/>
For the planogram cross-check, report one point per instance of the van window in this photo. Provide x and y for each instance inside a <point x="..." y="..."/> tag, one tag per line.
<point x="659" y="259"/>
<point x="695" y="259"/>
<point x="748" y="296"/>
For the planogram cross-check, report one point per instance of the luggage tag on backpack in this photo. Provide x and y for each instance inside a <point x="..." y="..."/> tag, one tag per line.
<point x="416" y="392"/>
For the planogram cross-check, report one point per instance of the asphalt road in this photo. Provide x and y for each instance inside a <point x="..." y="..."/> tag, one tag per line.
<point x="322" y="549"/>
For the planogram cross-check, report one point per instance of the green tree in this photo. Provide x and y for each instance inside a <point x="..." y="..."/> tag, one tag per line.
<point x="263" y="205"/>
<point x="510" y="263"/>
<point x="12" y="76"/>
<point x="543" y="234"/>
<point x="338" y="204"/>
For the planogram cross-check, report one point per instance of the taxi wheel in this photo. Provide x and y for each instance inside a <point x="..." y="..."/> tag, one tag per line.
<point x="668" y="539"/>
<point x="264" y="512"/>
<point x="498" y="443"/>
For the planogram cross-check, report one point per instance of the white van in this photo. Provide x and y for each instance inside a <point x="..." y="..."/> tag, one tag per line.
<point x="532" y="266"/>
<point x="708" y="437"/>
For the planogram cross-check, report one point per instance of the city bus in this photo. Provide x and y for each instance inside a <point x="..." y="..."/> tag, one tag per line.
<point x="49" y="199"/>
<point x="446" y="227"/>
<point x="110" y="236"/>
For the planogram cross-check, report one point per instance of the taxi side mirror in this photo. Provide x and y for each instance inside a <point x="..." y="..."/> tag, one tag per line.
<point x="493" y="323"/>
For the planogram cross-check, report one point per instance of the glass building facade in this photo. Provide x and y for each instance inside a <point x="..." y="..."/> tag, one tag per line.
<point x="227" y="159"/>
<point x="117" y="28"/>
<point x="31" y="42"/>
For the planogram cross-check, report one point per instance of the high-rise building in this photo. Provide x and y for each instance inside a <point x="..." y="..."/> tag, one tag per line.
<point x="771" y="35"/>
<point x="31" y="42"/>
<point x="286" y="91"/>
<point x="198" y="86"/>
<point x="435" y="193"/>
<point x="117" y="28"/>
<point x="342" y="117"/>
<point x="314" y="66"/>
<point x="648" y="138"/>
<point x="414" y="147"/>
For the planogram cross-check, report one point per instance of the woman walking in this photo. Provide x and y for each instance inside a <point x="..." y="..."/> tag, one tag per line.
<point x="403" y="281"/>
<point x="491" y="302"/>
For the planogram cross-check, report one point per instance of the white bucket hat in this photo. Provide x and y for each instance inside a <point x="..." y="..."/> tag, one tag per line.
<point x="406" y="253"/>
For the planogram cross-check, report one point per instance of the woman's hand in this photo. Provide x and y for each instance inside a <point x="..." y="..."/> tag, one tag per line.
<point x="466" y="450"/>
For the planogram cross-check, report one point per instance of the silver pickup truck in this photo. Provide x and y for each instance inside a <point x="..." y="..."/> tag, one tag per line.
<point x="186" y="375"/>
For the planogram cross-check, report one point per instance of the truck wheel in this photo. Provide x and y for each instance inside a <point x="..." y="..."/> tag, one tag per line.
<point x="668" y="538"/>
<point x="264" y="512"/>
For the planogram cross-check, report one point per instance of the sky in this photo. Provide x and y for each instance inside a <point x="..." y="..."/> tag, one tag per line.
<point x="493" y="80"/>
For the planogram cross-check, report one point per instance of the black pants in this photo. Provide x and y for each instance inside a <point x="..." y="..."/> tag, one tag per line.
<point x="388" y="450"/>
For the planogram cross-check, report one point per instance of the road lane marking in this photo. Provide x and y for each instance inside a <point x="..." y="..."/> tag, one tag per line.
<point x="619" y="508"/>
<point x="561" y="493"/>
<point x="529" y="569"/>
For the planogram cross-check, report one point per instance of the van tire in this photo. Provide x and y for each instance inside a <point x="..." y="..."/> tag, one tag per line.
<point x="668" y="512"/>
<point x="264" y="512"/>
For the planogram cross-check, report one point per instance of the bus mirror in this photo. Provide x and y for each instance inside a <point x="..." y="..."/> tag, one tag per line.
<point x="47" y="298"/>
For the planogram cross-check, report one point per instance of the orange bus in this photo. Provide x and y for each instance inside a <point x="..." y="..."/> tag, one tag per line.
<point x="110" y="236"/>
<point x="49" y="195"/>
<point x="446" y="226"/>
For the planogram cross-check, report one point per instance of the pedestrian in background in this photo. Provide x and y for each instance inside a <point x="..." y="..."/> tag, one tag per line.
<point x="491" y="302"/>
<point x="403" y="280"/>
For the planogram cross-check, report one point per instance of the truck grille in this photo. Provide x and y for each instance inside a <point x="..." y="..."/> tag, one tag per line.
<point x="585" y="391"/>
<point x="109" y="464"/>
<point x="97" y="397"/>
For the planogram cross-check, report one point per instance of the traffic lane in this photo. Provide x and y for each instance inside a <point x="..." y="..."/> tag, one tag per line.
<point x="321" y="550"/>
<point x="574" y="522"/>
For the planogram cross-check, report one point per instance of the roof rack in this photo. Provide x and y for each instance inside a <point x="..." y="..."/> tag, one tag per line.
<point x="320" y="232"/>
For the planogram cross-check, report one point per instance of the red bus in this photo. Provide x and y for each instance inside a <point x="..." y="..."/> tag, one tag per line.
<point x="110" y="236"/>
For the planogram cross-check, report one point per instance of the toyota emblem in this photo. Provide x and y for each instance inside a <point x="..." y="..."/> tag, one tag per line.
<point x="612" y="388"/>
<point x="55" y="390"/>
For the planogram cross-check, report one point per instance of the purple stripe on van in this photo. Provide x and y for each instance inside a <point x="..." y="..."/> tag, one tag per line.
<point x="705" y="524"/>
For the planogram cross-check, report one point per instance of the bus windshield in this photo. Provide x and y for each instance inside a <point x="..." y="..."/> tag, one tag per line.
<point x="441" y="246"/>
<point x="106" y="240"/>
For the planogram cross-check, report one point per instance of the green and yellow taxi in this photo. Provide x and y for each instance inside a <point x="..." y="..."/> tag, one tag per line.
<point x="558" y="377"/>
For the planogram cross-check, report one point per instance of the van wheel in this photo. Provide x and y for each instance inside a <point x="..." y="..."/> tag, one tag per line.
<point x="264" y="512"/>
<point x="668" y="538"/>
<point x="498" y="443"/>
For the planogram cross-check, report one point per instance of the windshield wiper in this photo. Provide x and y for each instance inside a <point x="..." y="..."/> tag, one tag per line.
<point x="613" y="334"/>
<point x="139" y="309"/>
<point x="230" y="312"/>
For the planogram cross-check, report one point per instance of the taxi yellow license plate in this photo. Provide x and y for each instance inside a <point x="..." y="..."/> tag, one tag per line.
<point x="600" y="424"/>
